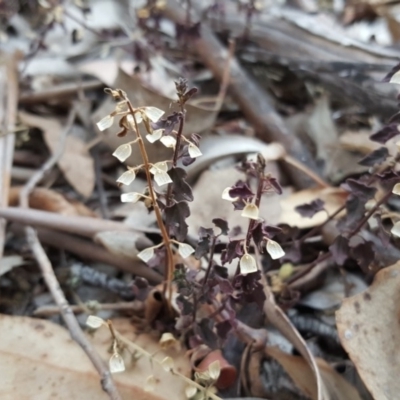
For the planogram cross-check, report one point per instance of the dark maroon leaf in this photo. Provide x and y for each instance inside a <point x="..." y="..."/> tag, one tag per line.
<point x="180" y="188"/>
<point x="340" y="249"/>
<point x="195" y="139"/>
<point x="189" y="94"/>
<point x="389" y="176"/>
<point x="251" y="288"/>
<point x="225" y="286"/>
<point x="185" y="306"/>
<point x="241" y="190"/>
<point x="386" y="133"/>
<point x="233" y="250"/>
<point x="140" y="288"/>
<point x="359" y="189"/>
<point x="364" y="254"/>
<point x="275" y="184"/>
<point x="383" y="234"/>
<point x="221" y="224"/>
<point x="395" y="69"/>
<point x="202" y="248"/>
<point x="377" y="157"/>
<point x="310" y="209"/>
<point x="355" y="208"/>
<point x="203" y="245"/>
<point x="168" y="124"/>
<point x="220" y="271"/>
<point x="185" y="157"/>
<point x="223" y="328"/>
<point x="175" y="216"/>
<point x="204" y="330"/>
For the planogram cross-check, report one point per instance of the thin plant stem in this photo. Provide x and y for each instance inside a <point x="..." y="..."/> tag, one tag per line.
<point x="210" y="262"/>
<point x="169" y="271"/>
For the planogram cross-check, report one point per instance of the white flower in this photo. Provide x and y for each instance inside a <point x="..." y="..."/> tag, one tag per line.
<point x="167" y="340"/>
<point x="156" y="135"/>
<point x="105" y="123"/>
<point x="247" y="264"/>
<point x="159" y="171"/>
<point x="250" y="211"/>
<point x="123" y="152"/>
<point x="150" y="384"/>
<point x="190" y="391"/>
<point x="167" y="363"/>
<point x="168" y="141"/>
<point x="396" y="189"/>
<point x="146" y="254"/>
<point x="226" y="196"/>
<point x="116" y="363"/>
<point x="185" y="250"/>
<point x="274" y="249"/>
<point x="153" y="113"/>
<point x="214" y="369"/>
<point x="127" y="177"/>
<point x="94" y="322"/>
<point x="396" y="229"/>
<point x="194" y="151"/>
<point x="132" y="197"/>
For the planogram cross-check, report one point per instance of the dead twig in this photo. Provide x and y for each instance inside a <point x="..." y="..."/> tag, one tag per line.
<point x="89" y="251"/>
<point x="255" y="104"/>
<point x="59" y="91"/>
<point x="50" y="311"/>
<point x="8" y="113"/>
<point x="83" y="226"/>
<point x="51" y="280"/>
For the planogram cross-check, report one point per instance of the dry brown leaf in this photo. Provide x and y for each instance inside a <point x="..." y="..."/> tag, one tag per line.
<point x="208" y="204"/>
<point x="123" y="243"/>
<point x="368" y="326"/>
<point x="76" y="162"/>
<point x="297" y="368"/>
<point x="333" y="198"/>
<point x="39" y="360"/>
<point x="52" y="201"/>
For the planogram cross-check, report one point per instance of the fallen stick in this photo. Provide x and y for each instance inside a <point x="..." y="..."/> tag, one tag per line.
<point x="83" y="226"/>
<point x="49" y="277"/>
<point x="59" y="91"/>
<point x="8" y="114"/>
<point x="255" y="104"/>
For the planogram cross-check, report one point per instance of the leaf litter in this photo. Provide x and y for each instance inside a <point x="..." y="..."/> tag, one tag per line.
<point x="293" y="212"/>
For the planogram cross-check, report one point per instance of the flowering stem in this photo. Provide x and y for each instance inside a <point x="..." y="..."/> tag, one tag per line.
<point x="176" y="152"/>
<point x="168" y="273"/>
<point x="257" y="203"/>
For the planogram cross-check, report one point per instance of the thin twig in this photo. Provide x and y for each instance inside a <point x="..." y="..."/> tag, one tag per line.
<point x="8" y="109"/>
<point x="51" y="280"/>
<point x="49" y="311"/>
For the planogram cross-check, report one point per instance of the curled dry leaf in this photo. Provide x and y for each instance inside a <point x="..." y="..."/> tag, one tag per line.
<point x="76" y="163"/>
<point x="51" y="201"/>
<point x="45" y="357"/>
<point x="368" y="326"/>
<point x="297" y="368"/>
